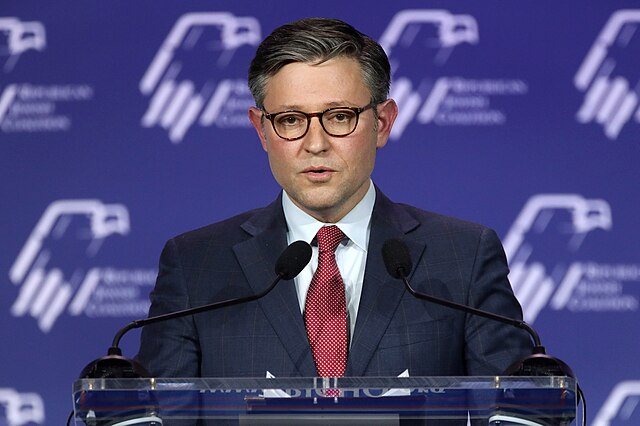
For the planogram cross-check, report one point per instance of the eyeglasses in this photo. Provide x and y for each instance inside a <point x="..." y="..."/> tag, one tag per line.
<point x="337" y="122"/>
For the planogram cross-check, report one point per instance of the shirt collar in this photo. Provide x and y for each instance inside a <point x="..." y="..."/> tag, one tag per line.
<point x="355" y="225"/>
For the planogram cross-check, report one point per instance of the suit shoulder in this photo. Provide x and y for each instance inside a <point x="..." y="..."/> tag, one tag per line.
<point x="448" y="237"/>
<point x="431" y="221"/>
<point x="228" y="230"/>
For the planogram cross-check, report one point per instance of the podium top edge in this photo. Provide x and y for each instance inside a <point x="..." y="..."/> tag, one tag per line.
<point x="240" y="383"/>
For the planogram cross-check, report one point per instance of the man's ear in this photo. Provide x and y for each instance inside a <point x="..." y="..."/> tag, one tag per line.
<point x="255" y="116"/>
<point x="387" y="113"/>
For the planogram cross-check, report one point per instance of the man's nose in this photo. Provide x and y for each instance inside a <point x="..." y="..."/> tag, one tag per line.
<point x="316" y="139"/>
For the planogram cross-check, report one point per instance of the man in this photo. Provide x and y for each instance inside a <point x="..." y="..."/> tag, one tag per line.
<point x="321" y="114"/>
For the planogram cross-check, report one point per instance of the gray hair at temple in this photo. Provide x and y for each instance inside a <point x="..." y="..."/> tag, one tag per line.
<point x="317" y="40"/>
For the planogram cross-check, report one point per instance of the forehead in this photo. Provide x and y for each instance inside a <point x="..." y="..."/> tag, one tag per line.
<point x="303" y="85"/>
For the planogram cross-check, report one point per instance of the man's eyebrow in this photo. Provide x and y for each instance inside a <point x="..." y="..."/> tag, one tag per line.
<point x="333" y="104"/>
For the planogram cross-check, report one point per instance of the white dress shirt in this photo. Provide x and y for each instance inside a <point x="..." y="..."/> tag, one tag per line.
<point x="351" y="254"/>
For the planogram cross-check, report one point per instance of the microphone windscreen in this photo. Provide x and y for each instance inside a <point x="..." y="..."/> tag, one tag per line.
<point x="293" y="260"/>
<point x="397" y="259"/>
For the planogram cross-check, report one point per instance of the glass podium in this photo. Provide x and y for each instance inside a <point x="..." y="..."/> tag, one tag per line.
<point x="495" y="401"/>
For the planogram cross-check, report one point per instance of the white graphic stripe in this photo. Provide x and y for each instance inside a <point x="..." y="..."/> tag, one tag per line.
<point x="174" y="38"/>
<point x="616" y="22"/>
<point x="435" y="99"/>
<point x="592" y="100"/>
<point x="55" y="308"/>
<point x="158" y="103"/>
<point x="6" y="100"/>
<point x="533" y="275"/>
<point x="186" y="119"/>
<point x="88" y="286"/>
<point x="623" y="114"/>
<point x="212" y="111"/>
<point x="180" y="98"/>
<point x="539" y="300"/>
<point x="27" y="292"/>
<point x="615" y="400"/>
<point x="618" y="88"/>
<point x="628" y="408"/>
<point x="410" y="101"/>
<point x="401" y="89"/>
<point x="590" y="65"/>
<point x="515" y="276"/>
<point x="51" y="284"/>
<point x="27" y="254"/>
<point x="446" y="21"/>
<point x="528" y="287"/>
<point x="410" y="108"/>
<point x="567" y="286"/>
<point x="159" y="64"/>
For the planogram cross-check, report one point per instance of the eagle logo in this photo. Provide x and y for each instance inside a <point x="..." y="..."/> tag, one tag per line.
<point x="541" y="244"/>
<point x="431" y="35"/>
<point x="191" y="77"/>
<point x="610" y="75"/>
<point x="46" y="288"/>
<point x="620" y="405"/>
<point x="21" y="408"/>
<point x="19" y="37"/>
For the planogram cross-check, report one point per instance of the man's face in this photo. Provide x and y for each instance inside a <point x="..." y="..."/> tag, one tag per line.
<point x="325" y="176"/>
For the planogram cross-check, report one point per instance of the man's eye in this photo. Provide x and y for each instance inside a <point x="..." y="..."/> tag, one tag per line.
<point x="340" y="116"/>
<point x="290" y="120"/>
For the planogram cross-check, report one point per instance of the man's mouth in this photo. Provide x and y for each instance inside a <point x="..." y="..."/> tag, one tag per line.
<point x="319" y="174"/>
<point x="317" y="170"/>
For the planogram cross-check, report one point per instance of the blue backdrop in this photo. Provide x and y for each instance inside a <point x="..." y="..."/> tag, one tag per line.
<point x="124" y="123"/>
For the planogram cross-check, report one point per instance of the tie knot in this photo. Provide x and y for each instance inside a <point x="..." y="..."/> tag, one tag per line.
<point x="328" y="238"/>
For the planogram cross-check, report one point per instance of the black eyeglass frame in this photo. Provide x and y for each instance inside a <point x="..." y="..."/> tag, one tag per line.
<point x="310" y="115"/>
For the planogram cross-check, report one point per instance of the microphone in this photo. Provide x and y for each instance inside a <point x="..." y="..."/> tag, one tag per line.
<point x="397" y="260"/>
<point x="290" y="263"/>
<point x="293" y="260"/>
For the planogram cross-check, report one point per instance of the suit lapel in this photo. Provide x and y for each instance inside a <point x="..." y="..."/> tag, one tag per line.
<point x="257" y="257"/>
<point x="381" y="294"/>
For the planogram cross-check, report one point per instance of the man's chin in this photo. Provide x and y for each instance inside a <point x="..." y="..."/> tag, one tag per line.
<point x="317" y="207"/>
<point x="318" y="204"/>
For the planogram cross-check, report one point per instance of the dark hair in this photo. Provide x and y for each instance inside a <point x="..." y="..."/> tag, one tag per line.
<point x="317" y="40"/>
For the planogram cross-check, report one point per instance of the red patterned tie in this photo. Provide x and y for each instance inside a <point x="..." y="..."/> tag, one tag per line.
<point x="325" y="311"/>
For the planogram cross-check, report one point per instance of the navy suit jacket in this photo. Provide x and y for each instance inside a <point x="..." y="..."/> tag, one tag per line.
<point x="394" y="331"/>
